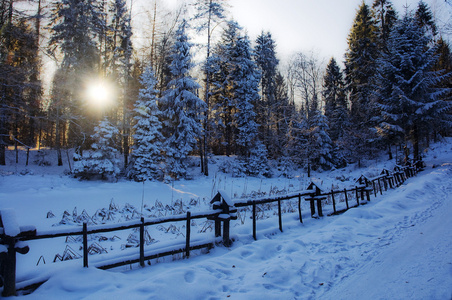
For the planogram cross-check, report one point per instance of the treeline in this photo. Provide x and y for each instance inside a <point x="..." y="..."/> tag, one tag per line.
<point x="393" y="94"/>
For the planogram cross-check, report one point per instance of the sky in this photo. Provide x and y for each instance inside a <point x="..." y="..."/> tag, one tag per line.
<point x="321" y="26"/>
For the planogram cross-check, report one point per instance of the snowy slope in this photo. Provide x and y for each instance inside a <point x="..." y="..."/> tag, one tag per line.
<point x="396" y="247"/>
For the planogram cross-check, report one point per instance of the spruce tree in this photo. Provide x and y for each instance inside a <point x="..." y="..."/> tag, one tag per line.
<point x="360" y="68"/>
<point x="335" y="101"/>
<point x="266" y="61"/>
<point x="409" y="98"/>
<point x="222" y="93"/>
<point x="102" y="159"/>
<point x="182" y="108"/>
<point x="246" y="93"/>
<point x="211" y="13"/>
<point x="147" y="153"/>
<point x="424" y="18"/>
<point x="385" y="18"/>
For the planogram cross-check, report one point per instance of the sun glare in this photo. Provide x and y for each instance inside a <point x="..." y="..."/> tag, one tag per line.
<point x="100" y="94"/>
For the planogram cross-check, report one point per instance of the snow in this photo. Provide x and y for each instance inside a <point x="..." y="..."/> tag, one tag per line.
<point x="397" y="246"/>
<point x="9" y="220"/>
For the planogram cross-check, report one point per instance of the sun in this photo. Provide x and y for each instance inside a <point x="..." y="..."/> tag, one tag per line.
<point x="100" y="94"/>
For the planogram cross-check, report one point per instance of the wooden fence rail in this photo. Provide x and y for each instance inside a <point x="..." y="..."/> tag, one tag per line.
<point x="13" y="237"/>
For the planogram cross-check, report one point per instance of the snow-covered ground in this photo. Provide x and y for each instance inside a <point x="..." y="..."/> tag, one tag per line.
<point x="398" y="246"/>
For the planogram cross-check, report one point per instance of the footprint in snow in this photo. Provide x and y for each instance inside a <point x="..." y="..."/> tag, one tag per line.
<point x="189" y="277"/>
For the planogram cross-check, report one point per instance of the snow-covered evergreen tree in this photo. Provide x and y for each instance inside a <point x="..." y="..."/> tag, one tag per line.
<point x="210" y="13"/>
<point x="321" y="146"/>
<point x="102" y="159"/>
<point x="182" y="108"/>
<point x="222" y="94"/>
<point x="266" y="109"/>
<point x="246" y="93"/>
<point x="360" y="65"/>
<point x="408" y="98"/>
<point x="385" y="17"/>
<point x="335" y="101"/>
<point x="147" y="154"/>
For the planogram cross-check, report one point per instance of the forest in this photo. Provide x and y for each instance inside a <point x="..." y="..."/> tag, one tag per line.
<point x="147" y="110"/>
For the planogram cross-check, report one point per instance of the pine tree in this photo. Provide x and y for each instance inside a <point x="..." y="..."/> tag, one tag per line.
<point x="318" y="147"/>
<point x="102" y="160"/>
<point x="246" y="93"/>
<point x="211" y="12"/>
<point x="284" y="113"/>
<point x="385" y="17"/>
<point x="335" y="102"/>
<point x="147" y="154"/>
<point x="360" y="64"/>
<point x="320" y="144"/>
<point x="360" y="68"/>
<point x="409" y="100"/>
<point x="182" y="108"/>
<point x="424" y="18"/>
<point x="222" y="93"/>
<point x="265" y="57"/>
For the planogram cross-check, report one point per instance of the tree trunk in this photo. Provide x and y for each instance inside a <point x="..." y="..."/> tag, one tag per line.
<point x="206" y="118"/>
<point x="57" y="138"/>
<point x="415" y="143"/>
<point x="389" y="151"/>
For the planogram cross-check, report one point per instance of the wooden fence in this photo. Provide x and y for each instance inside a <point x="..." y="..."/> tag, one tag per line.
<point x="13" y="237"/>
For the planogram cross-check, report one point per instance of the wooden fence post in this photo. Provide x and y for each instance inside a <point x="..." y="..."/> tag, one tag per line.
<point x="217" y="228"/>
<point x="334" y="201"/>
<point x="379" y="186"/>
<point x="254" y="221"/>
<point x="357" y="196"/>
<point x="280" y="215"/>
<point x="299" y="209"/>
<point x="142" y="242"/>
<point x="226" y="240"/>
<point x="9" y="288"/>
<point x="85" y="245"/>
<point x="346" y="198"/>
<point x="187" y="236"/>
<point x="319" y="207"/>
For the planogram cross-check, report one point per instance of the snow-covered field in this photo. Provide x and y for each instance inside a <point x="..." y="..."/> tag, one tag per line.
<point x="398" y="246"/>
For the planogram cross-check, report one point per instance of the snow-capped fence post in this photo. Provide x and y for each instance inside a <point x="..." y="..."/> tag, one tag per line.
<point x="142" y="242"/>
<point x="10" y="232"/>
<point x="85" y="245"/>
<point x="222" y="202"/>
<point x="315" y="196"/>
<point x="187" y="235"/>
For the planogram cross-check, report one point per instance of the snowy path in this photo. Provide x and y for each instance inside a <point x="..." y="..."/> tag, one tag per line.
<point x="396" y="247"/>
<point x="415" y="264"/>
